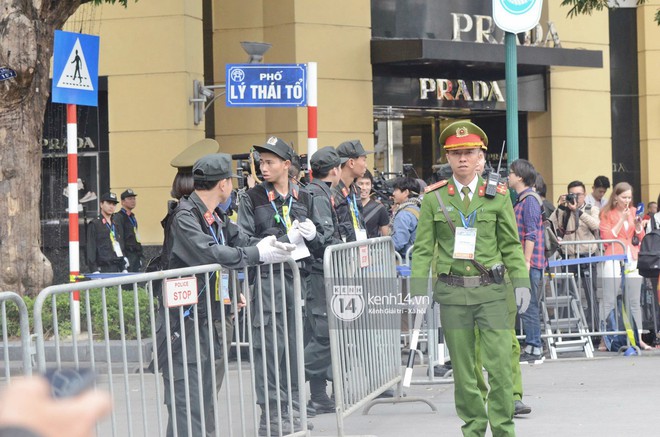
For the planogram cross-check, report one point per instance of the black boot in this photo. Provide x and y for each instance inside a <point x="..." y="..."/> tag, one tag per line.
<point x="274" y="418"/>
<point x="320" y="400"/>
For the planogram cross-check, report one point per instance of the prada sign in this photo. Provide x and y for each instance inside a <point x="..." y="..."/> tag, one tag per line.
<point x="482" y="29"/>
<point x="468" y="90"/>
<point x="456" y="94"/>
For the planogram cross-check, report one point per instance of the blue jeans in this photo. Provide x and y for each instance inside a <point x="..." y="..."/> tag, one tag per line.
<point x="531" y="320"/>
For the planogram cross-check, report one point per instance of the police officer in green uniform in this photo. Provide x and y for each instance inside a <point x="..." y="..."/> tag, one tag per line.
<point x="276" y="207"/>
<point x="318" y="364"/>
<point x="470" y="241"/>
<point x="347" y="194"/>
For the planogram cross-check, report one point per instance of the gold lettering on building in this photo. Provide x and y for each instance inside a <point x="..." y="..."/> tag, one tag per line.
<point x="467" y="90"/>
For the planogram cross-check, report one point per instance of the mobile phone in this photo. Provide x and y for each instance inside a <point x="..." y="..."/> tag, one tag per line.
<point x="65" y="383"/>
<point x="640" y="209"/>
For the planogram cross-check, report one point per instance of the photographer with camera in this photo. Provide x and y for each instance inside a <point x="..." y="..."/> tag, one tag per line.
<point x="376" y="217"/>
<point x="575" y="220"/>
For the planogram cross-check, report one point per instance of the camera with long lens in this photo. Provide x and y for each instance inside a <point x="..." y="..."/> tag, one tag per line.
<point x="382" y="190"/>
<point x="247" y="164"/>
<point x="571" y="198"/>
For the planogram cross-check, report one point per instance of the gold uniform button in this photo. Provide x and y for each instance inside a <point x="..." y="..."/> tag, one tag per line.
<point x="468" y="268"/>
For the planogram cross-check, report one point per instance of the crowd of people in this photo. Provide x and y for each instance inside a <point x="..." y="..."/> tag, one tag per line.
<point x="488" y="250"/>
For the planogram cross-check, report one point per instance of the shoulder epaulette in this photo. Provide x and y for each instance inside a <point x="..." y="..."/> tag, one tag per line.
<point x="435" y="186"/>
<point x="502" y="188"/>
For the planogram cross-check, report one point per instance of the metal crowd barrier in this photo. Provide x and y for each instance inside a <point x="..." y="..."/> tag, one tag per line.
<point x="7" y="345"/>
<point x="430" y="335"/>
<point x="179" y="356"/>
<point x="365" y="324"/>
<point x="573" y="295"/>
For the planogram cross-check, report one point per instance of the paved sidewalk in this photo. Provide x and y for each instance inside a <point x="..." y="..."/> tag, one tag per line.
<point x="605" y="396"/>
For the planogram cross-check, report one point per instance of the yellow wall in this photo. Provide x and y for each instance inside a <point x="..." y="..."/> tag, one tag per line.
<point x="151" y="52"/>
<point x="336" y="35"/>
<point x="573" y="140"/>
<point x="648" y="45"/>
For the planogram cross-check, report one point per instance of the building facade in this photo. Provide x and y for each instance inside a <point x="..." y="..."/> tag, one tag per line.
<point x="392" y="73"/>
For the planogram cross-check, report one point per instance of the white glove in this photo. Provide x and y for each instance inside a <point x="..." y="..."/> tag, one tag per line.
<point x="307" y="229"/>
<point x="126" y="263"/>
<point x="295" y="237"/>
<point x="272" y="251"/>
<point x="523" y="298"/>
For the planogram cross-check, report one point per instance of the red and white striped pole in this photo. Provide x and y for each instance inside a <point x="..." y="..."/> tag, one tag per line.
<point x="312" y="115"/>
<point x="74" y="238"/>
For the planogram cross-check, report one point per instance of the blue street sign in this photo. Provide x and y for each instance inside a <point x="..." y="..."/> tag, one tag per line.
<point x="266" y="85"/>
<point x="6" y="73"/>
<point x="75" y="68"/>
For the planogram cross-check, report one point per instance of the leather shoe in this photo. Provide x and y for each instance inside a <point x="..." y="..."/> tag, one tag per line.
<point x="521" y="408"/>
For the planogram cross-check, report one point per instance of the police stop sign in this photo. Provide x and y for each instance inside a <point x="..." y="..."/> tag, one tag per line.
<point x="180" y="292"/>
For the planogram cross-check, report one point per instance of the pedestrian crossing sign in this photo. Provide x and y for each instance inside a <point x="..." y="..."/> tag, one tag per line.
<point x="75" y="68"/>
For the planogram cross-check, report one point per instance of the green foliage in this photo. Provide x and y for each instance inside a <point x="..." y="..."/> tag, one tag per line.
<point x="587" y="7"/>
<point x="96" y="311"/>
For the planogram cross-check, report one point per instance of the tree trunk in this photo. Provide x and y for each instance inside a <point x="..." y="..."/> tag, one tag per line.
<point x="26" y="44"/>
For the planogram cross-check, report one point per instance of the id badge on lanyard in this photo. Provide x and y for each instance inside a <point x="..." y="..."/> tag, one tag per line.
<point x="360" y="234"/>
<point x="116" y="247"/>
<point x="222" y="287"/>
<point x="465" y="238"/>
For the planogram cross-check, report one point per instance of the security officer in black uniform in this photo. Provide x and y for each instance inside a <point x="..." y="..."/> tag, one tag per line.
<point x="200" y="233"/>
<point x="279" y="208"/>
<point x="325" y="164"/>
<point x="128" y="227"/>
<point x="347" y="194"/>
<point x="105" y="240"/>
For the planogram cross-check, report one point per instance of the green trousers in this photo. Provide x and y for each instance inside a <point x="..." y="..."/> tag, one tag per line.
<point x="494" y="339"/>
<point x="515" y="357"/>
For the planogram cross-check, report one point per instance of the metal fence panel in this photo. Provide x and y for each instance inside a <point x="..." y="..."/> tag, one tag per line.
<point x="9" y="347"/>
<point x="179" y="357"/>
<point x="365" y="302"/>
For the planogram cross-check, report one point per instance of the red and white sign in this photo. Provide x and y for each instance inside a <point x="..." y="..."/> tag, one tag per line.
<point x="364" y="256"/>
<point x="180" y="292"/>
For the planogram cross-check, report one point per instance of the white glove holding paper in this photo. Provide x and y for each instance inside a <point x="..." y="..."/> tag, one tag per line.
<point x="295" y="237"/>
<point x="307" y="229"/>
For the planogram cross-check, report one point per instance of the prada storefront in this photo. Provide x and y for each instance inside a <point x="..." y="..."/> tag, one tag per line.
<point x="434" y="62"/>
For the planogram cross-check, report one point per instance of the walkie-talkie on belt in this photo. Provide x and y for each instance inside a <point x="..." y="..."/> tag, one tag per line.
<point x="494" y="177"/>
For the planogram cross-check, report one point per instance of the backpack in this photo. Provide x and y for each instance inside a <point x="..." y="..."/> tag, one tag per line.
<point x="550" y="240"/>
<point x="648" y="261"/>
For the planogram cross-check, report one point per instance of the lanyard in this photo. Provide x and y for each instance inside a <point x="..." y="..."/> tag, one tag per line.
<point x="352" y="206"/>
<point x="111" y="229"/>
<point x="132" y="220"/>
<point x="278" y="218"/>
<point x="469" y="221"/>
<point x="209" y="221"/>
<point x="215" y="236"/>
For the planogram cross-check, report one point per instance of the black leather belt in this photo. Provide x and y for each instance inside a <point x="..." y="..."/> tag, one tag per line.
<point x="466" y="281"/>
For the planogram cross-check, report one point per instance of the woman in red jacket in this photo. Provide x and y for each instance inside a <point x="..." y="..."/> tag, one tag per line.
<point x="619" y="222"/>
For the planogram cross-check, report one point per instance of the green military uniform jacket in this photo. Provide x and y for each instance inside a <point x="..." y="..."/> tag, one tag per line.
<point x="497" y="243"/>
